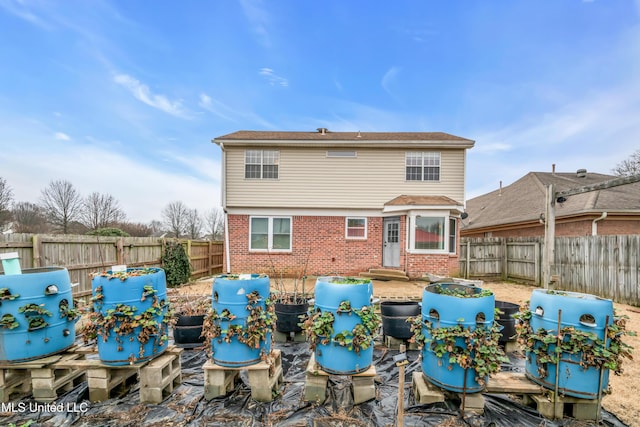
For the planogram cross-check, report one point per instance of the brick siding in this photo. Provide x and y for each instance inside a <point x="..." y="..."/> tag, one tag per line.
<point x="320" y="247"/>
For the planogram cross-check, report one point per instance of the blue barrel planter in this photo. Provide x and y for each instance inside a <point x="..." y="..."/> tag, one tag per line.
<point x="443" y="310"/>
<point x="584" y="312"/>
<point x="229" y="299"/>
<point x="333" y="357"/>
<point x="36" y="314"/>
<point x="114" y="295"/>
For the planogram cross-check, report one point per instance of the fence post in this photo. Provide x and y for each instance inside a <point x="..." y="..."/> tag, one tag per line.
<point x="35" y="251"/>
<point x="467" y="273"/>
<point x="120" y="250"/>
<point x="505" y="261"/>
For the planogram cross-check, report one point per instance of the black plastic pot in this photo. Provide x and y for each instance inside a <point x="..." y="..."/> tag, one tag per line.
<point x="395" y="315"/>
<point x="507" y="322"/>
<point x="187" y="331"/>
<point x="288" y="316"/>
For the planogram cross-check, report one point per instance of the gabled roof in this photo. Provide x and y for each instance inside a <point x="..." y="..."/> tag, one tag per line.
<point x="422" y="201"/>
<point x="524" y="200"/>
<point x="324" y="137"/>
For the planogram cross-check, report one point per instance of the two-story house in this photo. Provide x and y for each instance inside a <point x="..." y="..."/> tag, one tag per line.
<point x="342" y="202"/>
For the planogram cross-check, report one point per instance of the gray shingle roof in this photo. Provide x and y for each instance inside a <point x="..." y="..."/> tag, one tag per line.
<point x="524" y="200"/>
<point x="340" y="136"/>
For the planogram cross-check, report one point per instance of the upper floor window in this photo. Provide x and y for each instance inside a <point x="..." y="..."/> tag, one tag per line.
<point x="422" y="166"/>
<point x="356" y="228"/>
<point x="261" y="164"/>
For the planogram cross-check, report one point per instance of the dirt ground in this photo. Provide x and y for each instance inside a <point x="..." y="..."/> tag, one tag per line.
<point x="620" y="402"/>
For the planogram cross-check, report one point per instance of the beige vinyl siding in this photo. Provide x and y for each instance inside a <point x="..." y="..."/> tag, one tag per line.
<point x="310" y="179"/>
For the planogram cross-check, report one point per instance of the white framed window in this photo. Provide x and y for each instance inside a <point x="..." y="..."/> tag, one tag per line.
<point x="422" y="166"/>
<point x="261" y="164"/>
<point x="356" y="228"/>
<point x="433" y="233"/>
<point x="270" y="233"/>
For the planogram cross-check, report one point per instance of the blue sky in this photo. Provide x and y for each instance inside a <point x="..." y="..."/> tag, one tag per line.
<point x="124" y="97"/>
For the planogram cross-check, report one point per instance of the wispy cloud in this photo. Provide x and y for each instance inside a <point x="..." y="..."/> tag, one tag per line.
<point x="273" y="78"/>
<point x="61" y="136"/>
<point x="215" y="107"/>
<point x="142" y="93"/>
<point x="258" y="19"/>
<point x="22" y="11"/>
<point x="388" y="79"/>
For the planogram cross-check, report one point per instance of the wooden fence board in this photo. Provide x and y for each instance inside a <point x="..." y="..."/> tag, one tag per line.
<point x="84" y="255"/>
<point x="607" y="266"/>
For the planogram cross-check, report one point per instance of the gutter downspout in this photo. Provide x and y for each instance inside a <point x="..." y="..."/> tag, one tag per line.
<point x="223" y="195"/>
<point x="594" y="225"/>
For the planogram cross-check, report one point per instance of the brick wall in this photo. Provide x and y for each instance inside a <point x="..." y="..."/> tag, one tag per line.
<point x="606" y="227"/>
<point x="319" y="244"/>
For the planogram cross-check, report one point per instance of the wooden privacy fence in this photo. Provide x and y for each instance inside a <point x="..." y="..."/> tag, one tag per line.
<point x="606" y="266"/>
<point x="83" y="255"/>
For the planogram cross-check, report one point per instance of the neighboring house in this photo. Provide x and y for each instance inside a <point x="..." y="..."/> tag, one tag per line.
<point x="342" y="202"/>
<point x="517" y="210"/>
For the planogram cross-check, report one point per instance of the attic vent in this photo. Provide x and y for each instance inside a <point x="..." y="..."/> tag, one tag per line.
<point x="342" y="154"/>
<point x="323" y="131"/>
<point x="581" y="173"/>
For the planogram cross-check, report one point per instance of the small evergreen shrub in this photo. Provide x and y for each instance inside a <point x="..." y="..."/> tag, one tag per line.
<point x="108" y="231"/>
<point x="175" y="262"/>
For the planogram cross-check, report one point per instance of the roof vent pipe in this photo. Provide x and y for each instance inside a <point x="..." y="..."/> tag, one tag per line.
<point x="581" y="173"/>
<point x="322" y="131"/>
<point x="500" y="193"/>
<point x="553" y="168"/>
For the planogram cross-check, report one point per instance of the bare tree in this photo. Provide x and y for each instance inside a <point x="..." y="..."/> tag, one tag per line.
<point x="628" y="167"/>
<point x="194" y="224"/>
<point x="214" y="224"/>
<point x="6" y="199"/>
<point x="135" y="229"/>
<point x="29" y="218"/>
<point x="62" y="204"/>
<point x="174" y="217"/>
<point x="157" y="227"/>
<point x="101" y="211"/>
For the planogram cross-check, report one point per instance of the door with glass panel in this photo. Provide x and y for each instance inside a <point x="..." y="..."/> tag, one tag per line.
<point x="391" y="243"/>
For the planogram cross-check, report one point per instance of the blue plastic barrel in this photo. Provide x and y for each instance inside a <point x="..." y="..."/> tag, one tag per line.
<point x="333" y="357"/>
<point x="229" y="295"/>
<point x="36" y="314"/>
<point x="584" y="312"/>
<point x="444" y="310"/>
<point x="144" y="292"/>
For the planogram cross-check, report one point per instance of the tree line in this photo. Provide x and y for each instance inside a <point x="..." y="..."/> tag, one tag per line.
<point x="62" y="209"/>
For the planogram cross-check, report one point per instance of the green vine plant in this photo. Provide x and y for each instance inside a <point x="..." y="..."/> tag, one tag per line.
<point x="476" y="349"/>
<point x="8" y="321"/>
<point x="593" y="351"/>
<point x="35" y="315"/>
<point x="461" y="292"/>
<point x="254" y="331"/>
<point x="318" y="328"/>
<point x="124" y="321"/>
<point x="70" y="313"/>
<point x="5" y="294"/>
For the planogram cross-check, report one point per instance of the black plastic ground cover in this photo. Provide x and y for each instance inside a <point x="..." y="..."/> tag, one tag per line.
<point x="187" y="407"/>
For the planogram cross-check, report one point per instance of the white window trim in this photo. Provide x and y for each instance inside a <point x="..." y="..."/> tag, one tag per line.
<point x="422" y="153"/>
<point x="346" y="227"/>
<point x="412" y="232"/>
<point x="270" y="234"/>
<point x="262" y="165"/>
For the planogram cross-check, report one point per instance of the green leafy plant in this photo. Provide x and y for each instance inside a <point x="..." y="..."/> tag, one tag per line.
<point x="70" y="313"/>
<point x="109" y="232"/>
<point x="253" y="331"/>
<point x="5" y="294"/>
<point x="460" y="291"/>
<point x="175" y="262"/>
<point x="339" y="280"/>
<point x="126" y="323"/>
<point x="594" y="352"/>
<point x="476" y="349"/>
<point x="8" y="321"/>
<point x="318" y="327"/>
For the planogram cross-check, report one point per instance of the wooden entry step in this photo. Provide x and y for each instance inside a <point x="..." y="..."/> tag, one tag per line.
<point x="385" y="274"/>
<point x="265" y="378"/>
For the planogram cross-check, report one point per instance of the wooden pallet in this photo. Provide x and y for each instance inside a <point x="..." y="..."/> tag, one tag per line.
<point x="315" y="390"/>
<point x="41" y="378"/>
<point x="158" y="376"/>
<point x="265" y="378"/>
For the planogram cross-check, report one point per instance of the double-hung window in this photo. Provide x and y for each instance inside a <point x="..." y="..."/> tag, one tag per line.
<point x="270" y="234"/>
<point x="261" y="164"/>
<point x="356" y="228"/>
<point x="422" y="166"/>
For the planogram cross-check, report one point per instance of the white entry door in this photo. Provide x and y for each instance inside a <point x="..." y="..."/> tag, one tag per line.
<point x="391" y="243"/>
